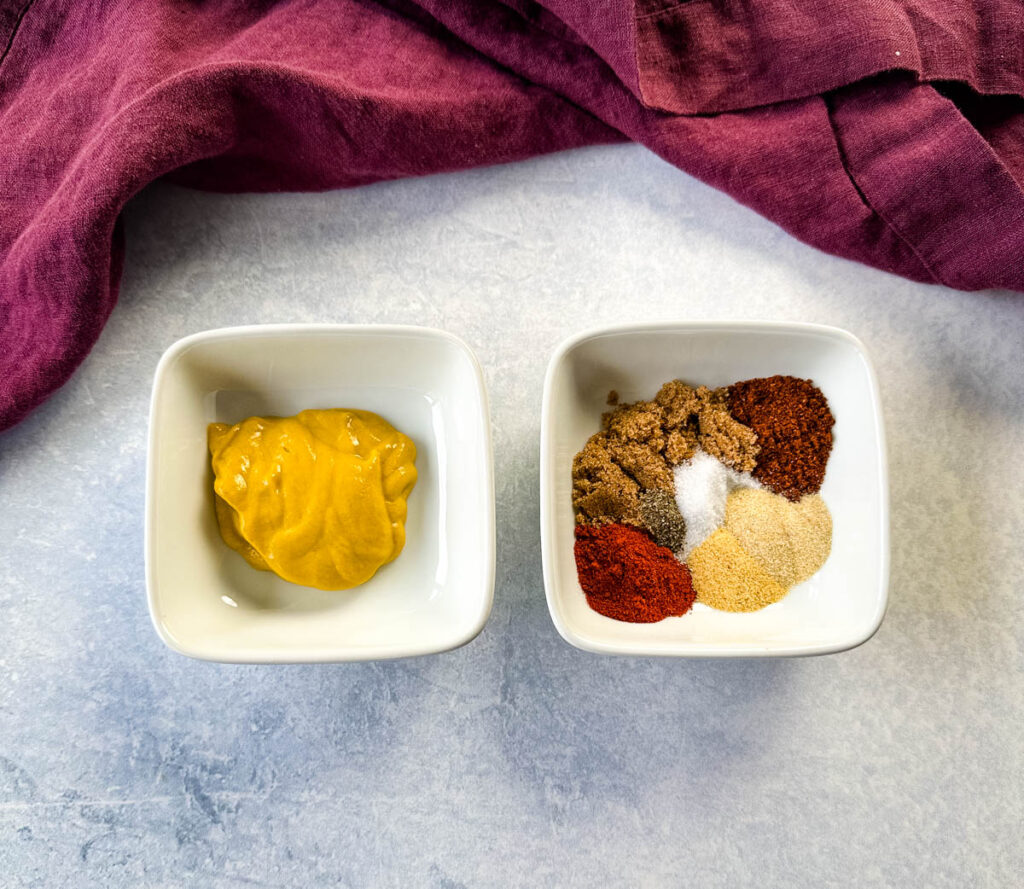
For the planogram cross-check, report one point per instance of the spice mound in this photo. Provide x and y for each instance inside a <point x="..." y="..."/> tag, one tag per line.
<point x="628" y="577"/>
<point x="706" y="495"/>
<point x="729" y="578"/>
<point x="791" y="540"/>
<point x="793" y="424"/>
<point x="318" y="498"/>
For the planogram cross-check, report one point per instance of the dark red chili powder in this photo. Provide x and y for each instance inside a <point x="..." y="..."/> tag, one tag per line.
<point x="793" y="424"/>
<point x="628" y="577"/>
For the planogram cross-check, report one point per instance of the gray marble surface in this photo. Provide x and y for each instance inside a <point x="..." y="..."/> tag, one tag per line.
<point x="517" y="760"/>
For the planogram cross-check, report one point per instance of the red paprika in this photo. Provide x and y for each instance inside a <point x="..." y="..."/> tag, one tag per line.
<point x="627" y="576"/>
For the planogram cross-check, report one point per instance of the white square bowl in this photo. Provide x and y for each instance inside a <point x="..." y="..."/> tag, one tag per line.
<point x="839" y="607"/>
<point x="208" y="603"/>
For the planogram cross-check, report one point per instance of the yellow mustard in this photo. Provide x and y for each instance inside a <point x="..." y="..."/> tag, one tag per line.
<point x="318" y="498"/>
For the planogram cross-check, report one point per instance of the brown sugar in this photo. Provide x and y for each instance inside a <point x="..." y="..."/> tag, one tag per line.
<point x="700" y="417"/>
<point x="727" y="439"/>
<point x="679" y="402"/>
<point x="640" y="442"/>
<point x="645" y="465"/>
<point x="601" y="491"/>
<point x="639" y="422"/>
<point x="679" y="446"/>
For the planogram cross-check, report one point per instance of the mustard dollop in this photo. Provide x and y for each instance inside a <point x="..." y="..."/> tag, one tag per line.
<point x="318" y="498"/>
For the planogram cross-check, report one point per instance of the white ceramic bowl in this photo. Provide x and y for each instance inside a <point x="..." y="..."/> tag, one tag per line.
<point x="208" y="603"/>
<point x="839" y="607"/>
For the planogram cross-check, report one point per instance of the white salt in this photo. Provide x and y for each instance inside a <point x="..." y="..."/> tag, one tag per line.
<point x="703" y="484"/>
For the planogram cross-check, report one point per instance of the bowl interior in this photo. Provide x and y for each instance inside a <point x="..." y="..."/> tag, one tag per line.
<point x="837" y="608"/>
<point x="209" y="603"/>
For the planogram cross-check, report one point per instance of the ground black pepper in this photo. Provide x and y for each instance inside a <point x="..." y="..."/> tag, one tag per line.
<point x="661" y="517"/>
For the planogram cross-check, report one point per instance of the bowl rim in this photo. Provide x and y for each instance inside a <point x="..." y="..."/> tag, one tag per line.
<point x="702" y="650"/>
<point x="262" y="655"/>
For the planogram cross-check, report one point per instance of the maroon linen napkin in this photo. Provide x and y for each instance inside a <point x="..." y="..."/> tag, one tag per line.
<point x="886" y="131"/>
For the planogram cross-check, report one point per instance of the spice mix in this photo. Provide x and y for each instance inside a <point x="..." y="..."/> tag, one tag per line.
<point x="706" y="495"/>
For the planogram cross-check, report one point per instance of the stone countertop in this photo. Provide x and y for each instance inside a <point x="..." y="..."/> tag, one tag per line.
<point x="516" y="760"/>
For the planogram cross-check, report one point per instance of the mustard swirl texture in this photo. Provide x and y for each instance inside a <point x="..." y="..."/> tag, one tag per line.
<point x="318" y="498"/>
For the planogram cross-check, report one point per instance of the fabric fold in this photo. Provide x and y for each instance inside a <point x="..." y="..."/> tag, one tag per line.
<point x="890" y="133"/>
<point x="915" y="157"/>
